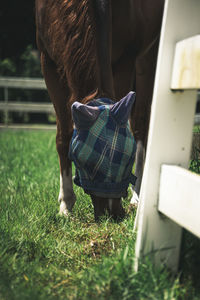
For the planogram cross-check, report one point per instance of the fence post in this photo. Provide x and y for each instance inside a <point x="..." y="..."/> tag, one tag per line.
<point x="170" y="136"/>
<point x="6" y="102"/>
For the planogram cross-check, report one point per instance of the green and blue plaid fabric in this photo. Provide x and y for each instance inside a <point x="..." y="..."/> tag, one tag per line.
<point x="103" y="154"/>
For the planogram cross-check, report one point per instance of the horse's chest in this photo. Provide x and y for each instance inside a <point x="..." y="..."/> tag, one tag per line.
<point x="123" y="27"/>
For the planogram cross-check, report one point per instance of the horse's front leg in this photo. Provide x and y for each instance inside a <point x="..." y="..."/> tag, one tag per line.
<point x="58" y="92"/>
<point x="66" y="196"/>
<point x="139" y="165"/>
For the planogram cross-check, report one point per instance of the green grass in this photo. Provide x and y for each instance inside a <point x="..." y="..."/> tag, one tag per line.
<point x="45" y="256"/>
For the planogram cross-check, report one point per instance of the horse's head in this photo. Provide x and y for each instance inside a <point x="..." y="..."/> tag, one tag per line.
<point x="103" y="150"/>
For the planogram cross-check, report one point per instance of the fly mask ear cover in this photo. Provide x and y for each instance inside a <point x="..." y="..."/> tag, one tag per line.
<point x="103" y="147"/>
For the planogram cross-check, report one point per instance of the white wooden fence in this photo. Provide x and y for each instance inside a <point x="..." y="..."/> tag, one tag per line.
<point x="170" y="194"/>
<point x="7" y="105"/>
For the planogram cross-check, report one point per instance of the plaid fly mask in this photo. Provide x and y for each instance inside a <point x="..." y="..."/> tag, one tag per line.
<point x="103" y="147"/>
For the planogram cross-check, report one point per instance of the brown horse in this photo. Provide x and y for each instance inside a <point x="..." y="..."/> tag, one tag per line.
<point x="98" y="48"/>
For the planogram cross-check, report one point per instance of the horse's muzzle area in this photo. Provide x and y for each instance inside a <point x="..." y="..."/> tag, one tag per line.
<point x="112" y="207"/>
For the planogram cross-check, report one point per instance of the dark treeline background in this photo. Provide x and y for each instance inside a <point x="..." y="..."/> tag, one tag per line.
<point x="17" y="27"/>
<point x="19" y="57"/>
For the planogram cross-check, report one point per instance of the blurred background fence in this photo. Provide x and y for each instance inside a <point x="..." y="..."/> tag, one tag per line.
<point x="22" y="108"/>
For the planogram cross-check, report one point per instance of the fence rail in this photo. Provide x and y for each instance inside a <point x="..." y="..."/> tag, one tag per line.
<point x="177" y="185"/>
<point x="27" y="107"/>
<point x="23" y="83"/>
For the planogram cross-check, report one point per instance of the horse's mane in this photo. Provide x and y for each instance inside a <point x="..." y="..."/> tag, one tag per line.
<point x="70" y="30"/>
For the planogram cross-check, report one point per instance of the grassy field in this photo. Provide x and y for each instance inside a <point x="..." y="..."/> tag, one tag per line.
<point x="45" y="256"/>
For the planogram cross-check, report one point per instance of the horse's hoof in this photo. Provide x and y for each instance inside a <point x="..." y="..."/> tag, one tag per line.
<point x="66" y="206"/>
<point x="134" y="200"/>
<point x="116" y="210"/>
<point x="63" y="209"/>
<point x="119" y="217"/>
<point x="64" y="213"/>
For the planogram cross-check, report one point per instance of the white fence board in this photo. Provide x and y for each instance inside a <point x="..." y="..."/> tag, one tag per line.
<point x="27" y="107"/>
<point x="186" y="67"/>
<point x="27" y="127"/>
<point x="179" y="197"/>
<point x="24" y="83"/>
